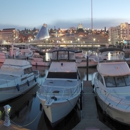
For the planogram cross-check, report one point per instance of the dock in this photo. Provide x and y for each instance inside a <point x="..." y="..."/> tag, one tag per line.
<point x="11" y="127"/>
<point x="89" y="119"/>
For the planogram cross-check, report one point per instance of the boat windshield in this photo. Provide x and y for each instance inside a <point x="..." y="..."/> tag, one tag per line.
<point x="70" y="75"/>
<point x="117" y="81"/>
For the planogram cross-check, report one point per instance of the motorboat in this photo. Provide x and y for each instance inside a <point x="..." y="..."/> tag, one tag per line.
<point x="38" y="60"/>
<point x="111" y="85"/>
<point x="16" y="77"/>
<point x="111" y="54"/>
<point x="15" y="52"/>
<point x="61" y="89"/>
<point x="93" y="58"/>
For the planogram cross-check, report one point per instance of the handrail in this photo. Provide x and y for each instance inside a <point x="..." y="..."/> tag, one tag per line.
<point x="49" y="91"/>
<point x="59" y="86"/>
<point x="119" y="99"/>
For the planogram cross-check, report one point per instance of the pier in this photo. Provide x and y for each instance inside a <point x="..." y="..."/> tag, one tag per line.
<point x="89" y="119"/>
<point x="11" y="127"/>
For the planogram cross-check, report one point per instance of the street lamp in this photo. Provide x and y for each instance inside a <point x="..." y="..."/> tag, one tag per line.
<point x="109" y="41"/>
<point x="78" y="40"/>
<point x="94" y="39"/>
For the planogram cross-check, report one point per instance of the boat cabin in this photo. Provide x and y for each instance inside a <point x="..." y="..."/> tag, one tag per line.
<point x="16" y="67"/>
<point x="63" y="70"/>
<point x="113" y="74"/>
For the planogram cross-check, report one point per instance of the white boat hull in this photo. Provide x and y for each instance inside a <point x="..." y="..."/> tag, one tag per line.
<point x="59" y="110"/>
<point x="116" y="114"/>
<point x="40" y="63"/>
<point x="12" y="92"/>
<point x="2" y="60"/>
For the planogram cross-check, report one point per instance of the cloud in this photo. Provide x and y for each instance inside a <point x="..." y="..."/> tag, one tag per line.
<point x="18" y="27"/>
<point x="97" y="23"/>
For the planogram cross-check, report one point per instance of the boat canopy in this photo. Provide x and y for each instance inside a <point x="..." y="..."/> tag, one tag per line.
<point x="109" y="49"/>
<point x="113" y="69"/>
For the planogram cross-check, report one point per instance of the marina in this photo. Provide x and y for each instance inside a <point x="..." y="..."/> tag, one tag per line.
<point x="70" y="73"/>
<point x="87" y="114"/>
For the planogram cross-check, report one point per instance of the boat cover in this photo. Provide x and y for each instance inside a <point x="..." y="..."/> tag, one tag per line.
<point x="113" y="68"/>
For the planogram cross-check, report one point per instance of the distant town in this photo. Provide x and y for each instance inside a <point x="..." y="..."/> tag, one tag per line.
<point x="114" y="35"/>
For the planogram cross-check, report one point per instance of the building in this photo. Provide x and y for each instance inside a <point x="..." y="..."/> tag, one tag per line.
<point x="80" y="26"/>
<point x="43" y="33"/>
<point x="120" y="34"/>
<point x="9" y="35"/>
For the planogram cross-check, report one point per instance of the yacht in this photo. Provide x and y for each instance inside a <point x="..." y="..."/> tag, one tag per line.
<point x="15" y="52"/>
<point x="38" y="60"/>
<point x="16" y="77"/>
<point x="61" y="89"/>
<point x="93" y="58"/>
<point x="111" y="85"/>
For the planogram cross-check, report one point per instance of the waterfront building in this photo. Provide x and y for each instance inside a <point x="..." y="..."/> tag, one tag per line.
<point x="9" y="35"/>
<point x="43" y="33"/>
<point x="120" y="34"/>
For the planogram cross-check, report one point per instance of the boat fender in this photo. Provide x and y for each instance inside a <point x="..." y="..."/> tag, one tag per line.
<point x="54" y="98"/>
<point x="27" y="82"/>
<point x="18" y="88"/>
<point x="35" y="79"/>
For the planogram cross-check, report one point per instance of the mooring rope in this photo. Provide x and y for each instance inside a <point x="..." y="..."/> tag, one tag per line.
<point x="28" y="123"/>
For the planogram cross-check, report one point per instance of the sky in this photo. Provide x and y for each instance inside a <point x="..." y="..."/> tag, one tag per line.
<point x="22" y="14"/>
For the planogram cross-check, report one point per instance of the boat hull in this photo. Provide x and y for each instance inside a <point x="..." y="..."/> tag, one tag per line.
<point x="59" y="110"/>
<point x="116" y="114"/>
<point x="40" y="63"/>
<point x="12" y="92"/>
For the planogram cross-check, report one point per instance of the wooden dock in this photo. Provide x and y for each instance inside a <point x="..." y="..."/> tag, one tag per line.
<point x="89" y="119"/>
<point x="11" y="127"/>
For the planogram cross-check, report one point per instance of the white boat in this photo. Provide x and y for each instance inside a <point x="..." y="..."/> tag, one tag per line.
<point x="16" y="77"/>
<point x="112" y="87"/>
<point x="60" y="90"/>
<point x="93" y="59"/>
<point x="15" y="52"/>
<point x="2" y="57"/>
<point x="38" y="60"/>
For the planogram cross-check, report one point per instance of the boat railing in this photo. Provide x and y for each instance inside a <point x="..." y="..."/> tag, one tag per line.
<point x="59" y="92"/>
<point x="36" y="73"/>
<point x="9" y="83"/>
<point x="115" y="98"/>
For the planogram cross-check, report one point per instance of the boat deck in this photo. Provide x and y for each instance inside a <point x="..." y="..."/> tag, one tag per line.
<point x="90" y="117"/>
<point x="11" y="127"/>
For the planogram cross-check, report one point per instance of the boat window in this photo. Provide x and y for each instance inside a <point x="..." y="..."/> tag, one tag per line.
<point x="117" y="81"/>
<point x="127" y="80"/>
<point x="28" y="70"/>
<point x="70" y="75"/>
<point x="100" y="78"/>
<point x="25" y="71"/>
